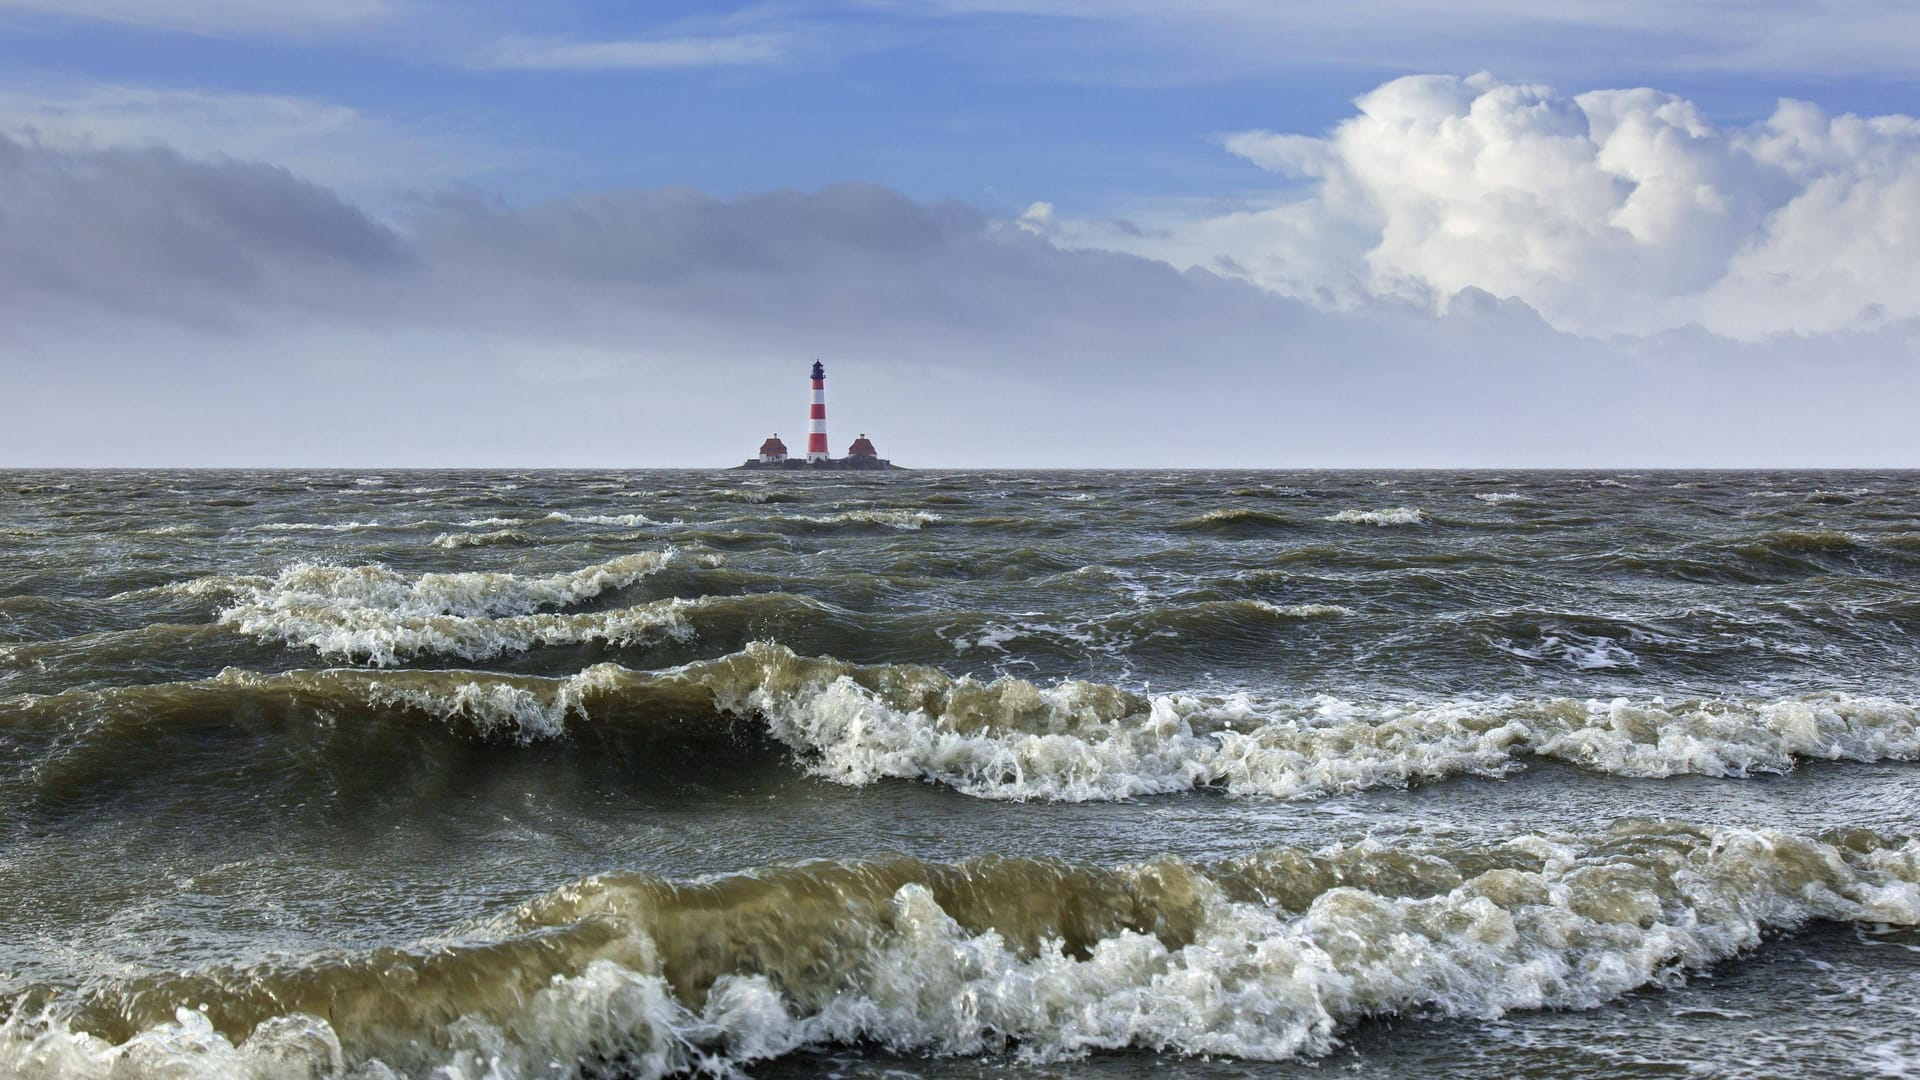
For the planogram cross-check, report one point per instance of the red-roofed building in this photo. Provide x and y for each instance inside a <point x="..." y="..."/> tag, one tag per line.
<point x="861" y="448"/>
<point x="773" y="451"/>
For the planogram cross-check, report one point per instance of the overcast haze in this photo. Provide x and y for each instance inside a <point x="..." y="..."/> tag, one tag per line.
<point x="405" y="232"/>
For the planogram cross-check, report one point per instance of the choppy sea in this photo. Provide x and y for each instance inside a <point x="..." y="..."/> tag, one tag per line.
<point x="963" y="774"/>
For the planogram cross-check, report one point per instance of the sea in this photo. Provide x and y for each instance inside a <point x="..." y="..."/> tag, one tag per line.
<point x="959" y="774"/>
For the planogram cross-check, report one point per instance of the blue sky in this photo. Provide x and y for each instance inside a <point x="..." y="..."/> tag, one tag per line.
<point x="917" y="104"/>
<point x="995" y="107"/>
<point x="1297" y="176"/>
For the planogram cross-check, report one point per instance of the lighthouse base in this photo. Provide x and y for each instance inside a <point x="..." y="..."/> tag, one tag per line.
<point x="848" y="464"/>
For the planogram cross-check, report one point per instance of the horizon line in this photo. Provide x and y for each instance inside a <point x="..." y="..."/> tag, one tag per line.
<point x="4" y="468"/>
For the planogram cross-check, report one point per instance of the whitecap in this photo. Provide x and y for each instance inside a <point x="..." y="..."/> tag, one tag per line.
<point x="625" y="521"/>
<point x="1399" y="515"/>
<point x="378" y="614"/>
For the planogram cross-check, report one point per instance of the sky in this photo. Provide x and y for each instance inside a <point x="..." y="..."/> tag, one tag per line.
<point x="1019" y="233"/>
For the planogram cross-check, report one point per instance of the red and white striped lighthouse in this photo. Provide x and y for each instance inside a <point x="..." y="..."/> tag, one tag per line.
<point x="817" y="432"/>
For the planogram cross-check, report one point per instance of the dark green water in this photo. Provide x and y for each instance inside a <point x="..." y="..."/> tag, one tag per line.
<point x="965" y="774"/>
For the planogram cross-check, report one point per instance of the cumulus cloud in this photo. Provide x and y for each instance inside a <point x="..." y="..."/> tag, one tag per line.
<point x="1610" y="212"/>
<point x="216" y="312"/>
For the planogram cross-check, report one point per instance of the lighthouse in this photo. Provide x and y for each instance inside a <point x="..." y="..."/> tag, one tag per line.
<point x="773" y="452"/>
<point x="817" y="429"/>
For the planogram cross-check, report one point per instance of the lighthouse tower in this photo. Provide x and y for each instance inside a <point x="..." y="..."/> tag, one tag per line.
<point x="817" y="432"/>
<point x="773" y="452"/>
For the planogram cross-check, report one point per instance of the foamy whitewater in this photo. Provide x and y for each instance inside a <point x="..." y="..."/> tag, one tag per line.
<point x="465" y="775"/>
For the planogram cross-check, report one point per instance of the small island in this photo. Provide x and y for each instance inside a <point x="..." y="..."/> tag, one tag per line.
<point x="861" y="455"/>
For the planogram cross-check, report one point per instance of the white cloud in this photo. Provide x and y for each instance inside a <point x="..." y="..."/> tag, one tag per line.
<point x="664" y="53"/>
<point x="217" y="312"/>
<point x="321" y="140"/>
<point x="1612" y="212"/>
<point x="214" y="16"/>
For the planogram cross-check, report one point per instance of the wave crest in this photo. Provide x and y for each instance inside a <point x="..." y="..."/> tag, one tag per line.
<point x="1012" y="739"/>
<point x="1266" y="957"/>
<point x="901" y="520"/>
<point x="625" y="521"/>
<point x="380" y="615"/>
<point x="1398" y="515"/>
<point x="454" y="541"/>
<point x="1237" y="519"/>
<point x="1077" y="741"/>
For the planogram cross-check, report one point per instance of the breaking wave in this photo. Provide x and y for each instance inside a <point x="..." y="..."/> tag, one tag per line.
<point x="1236" y="519"/>
<point x="454" y="541"/>
<point x="759" y="496"/>
<point x="1010" y="739"/>
<point x="1302" y="611"/>
<point x="1270" y="956"/>
<point x="323" y="526"/>
<point x="377" y="614"/>
<point x="902" y="520"/>
<point x="1078" y="741"/>
<point x="371" y="526"/>
<point x="625" y="521"/>
<point x="1399" y="515"/>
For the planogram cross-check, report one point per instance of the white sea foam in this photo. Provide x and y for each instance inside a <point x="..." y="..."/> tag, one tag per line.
<point x="1540" y="922"/>
<point x="385" y="638"/>
<point x="1587" y="652"/>
<point x="499" y="708"/>
<point x="368" y="526"/>
<point x="1302" y="611"/>
<point x="625" y="521"/>
<point x="211" y="585"/>
<point x="994" y="636"/>
<point x="325" y="526"/>
<point x="296" y="1047"/>
<point x="1500" y="498"/>
<point x="1077" y="741"/>
<point x="904" y="520"/>
<point x="1399" y="515"/>
<point x="481" y="539"/>
<point x="380" y="615"/>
